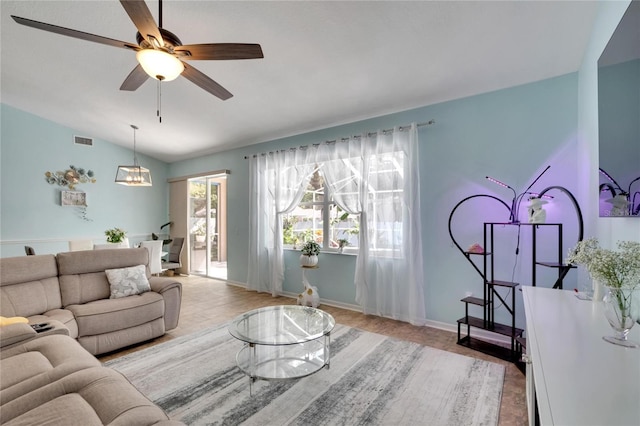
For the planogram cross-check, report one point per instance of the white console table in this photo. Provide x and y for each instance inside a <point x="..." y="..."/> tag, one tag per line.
<point x="579" y="378"/>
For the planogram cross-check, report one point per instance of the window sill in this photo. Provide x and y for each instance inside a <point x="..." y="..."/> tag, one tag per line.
<point x="333" y="252"/>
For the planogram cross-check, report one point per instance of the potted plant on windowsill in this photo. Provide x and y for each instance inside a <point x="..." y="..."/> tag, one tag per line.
<point x="342" y="243"/>
<point x="309" y="257"/>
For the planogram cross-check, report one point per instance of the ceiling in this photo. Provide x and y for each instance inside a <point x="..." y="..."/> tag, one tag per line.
<point x="325" y="63"/>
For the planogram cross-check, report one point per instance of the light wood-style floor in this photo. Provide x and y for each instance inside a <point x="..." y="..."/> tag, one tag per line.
<point x="206" y="302"/>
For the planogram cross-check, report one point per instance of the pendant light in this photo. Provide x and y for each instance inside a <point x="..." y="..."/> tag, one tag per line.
<point x="133" y="175"/>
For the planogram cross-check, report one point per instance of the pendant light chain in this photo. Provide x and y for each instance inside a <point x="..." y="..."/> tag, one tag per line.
<point x="135" y="156"/>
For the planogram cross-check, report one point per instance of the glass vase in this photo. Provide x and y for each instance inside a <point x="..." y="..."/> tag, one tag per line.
<point x="618" y="303"/>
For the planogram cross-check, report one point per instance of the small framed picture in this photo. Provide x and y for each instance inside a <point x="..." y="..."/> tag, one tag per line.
<point x="73" y="198"/>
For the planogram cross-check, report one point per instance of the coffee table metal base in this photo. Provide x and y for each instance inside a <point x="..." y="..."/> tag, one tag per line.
<point x="262" y="362"/>
<point x="282" y="342"/>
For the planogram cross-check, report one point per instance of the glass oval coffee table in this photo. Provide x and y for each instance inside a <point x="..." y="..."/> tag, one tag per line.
<point x="283" y="342"/>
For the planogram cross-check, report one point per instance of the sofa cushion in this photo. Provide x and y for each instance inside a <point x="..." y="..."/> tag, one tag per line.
<point x="91" y="396"/>
<point x="66" y="410"/>
<point x="108" y="342"/>
<point x="29" y="285"/>
<point x="107" y="315"/>
<point x="129" y="281"/>
<point x="82" y="277"/>
<point x="38" y="362"/>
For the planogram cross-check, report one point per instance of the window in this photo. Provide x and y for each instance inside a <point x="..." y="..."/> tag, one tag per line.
<point x="316" y="216"/>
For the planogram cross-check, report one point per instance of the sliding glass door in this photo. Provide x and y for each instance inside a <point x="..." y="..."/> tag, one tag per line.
<point x="207" y="226"/>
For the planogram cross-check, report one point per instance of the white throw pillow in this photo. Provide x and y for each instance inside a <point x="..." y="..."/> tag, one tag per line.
<point x="127" y="281"/>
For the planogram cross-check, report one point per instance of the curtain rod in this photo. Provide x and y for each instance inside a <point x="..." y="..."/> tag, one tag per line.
<point x="402" y="128"/>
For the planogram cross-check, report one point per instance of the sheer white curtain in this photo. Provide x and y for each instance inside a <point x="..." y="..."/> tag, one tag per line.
<point x="343" y="166"/>
<point x="276" y="183"/>
<point x="377" y="177"/>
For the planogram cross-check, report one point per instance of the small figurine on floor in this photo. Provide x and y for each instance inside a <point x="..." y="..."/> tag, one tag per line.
<point x="309" y="297"/>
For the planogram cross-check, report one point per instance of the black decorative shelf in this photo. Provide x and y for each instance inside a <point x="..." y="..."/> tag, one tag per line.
<point x="499" y="283"/>
<point x="495" y="327"/>
<point x="489" y="348"/>
<point x="555" y="265"/>
<point x="475" y="301"/>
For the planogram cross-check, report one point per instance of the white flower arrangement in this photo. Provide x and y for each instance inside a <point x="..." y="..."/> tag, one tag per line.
<point x="618" y="269"/>
<point x="115" y="235"/>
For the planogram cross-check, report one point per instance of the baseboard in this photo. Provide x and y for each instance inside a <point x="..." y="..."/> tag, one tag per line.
<point x="453" y="328"/>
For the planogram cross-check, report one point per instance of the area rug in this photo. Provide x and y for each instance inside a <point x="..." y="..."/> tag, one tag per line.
<point x="373" y="379"/>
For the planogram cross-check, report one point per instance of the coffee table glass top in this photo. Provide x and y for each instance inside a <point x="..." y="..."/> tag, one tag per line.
<point x="281" y="325"/>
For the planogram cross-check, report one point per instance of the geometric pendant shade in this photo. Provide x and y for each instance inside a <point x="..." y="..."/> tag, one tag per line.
<point x="133" y="175"/>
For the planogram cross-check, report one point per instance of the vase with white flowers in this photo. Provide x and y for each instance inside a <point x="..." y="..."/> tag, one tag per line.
<point x="619" y="273"/>
<point x="310" y="251"/>
<point x="342" y="243"/>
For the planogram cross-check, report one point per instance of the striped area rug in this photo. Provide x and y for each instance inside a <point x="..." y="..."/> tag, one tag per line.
<point x="373" y="379"/>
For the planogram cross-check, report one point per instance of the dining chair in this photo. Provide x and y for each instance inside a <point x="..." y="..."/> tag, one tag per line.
<point x="155" y="255"/>
<point x="78" y="245"/>
<point x="175" y="253"/>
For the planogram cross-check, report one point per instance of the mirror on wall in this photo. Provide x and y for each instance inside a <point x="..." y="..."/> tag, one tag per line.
<point x="619" y="118"/>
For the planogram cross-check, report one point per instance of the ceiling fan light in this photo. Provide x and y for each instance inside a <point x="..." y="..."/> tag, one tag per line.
<point x="160" y="64"/>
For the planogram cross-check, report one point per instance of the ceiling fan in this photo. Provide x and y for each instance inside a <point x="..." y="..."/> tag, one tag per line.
<point x="160" y="53"/>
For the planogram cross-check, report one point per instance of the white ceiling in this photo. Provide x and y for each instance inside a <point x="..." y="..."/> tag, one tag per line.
<point x="325" y="63"/>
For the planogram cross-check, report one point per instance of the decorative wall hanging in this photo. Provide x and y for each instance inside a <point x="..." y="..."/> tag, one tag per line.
<point x="73" y="198"/>
<point x="70" y="177"/>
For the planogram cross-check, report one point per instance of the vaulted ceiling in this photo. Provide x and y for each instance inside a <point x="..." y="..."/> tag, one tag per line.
<point x="325" y="63"/>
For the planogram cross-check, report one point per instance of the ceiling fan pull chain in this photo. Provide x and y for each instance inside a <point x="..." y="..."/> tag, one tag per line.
<point x="159" y="101"/>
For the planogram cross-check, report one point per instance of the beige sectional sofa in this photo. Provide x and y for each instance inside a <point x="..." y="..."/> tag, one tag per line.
<point x="52" y="377"/>
<point x="72" y="289"/>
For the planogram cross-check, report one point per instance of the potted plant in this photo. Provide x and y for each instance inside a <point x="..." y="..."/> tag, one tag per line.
<point x="117" y="236"/>
<point x="200" y="232"/>
<point x="342" y="243"/>
<point x="310" y="251"/>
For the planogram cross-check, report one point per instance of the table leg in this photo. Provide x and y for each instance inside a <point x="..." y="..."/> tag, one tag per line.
<point x="252" y="367"/>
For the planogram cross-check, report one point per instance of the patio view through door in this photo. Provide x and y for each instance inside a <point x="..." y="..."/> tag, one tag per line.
<point x="208" y="226"/>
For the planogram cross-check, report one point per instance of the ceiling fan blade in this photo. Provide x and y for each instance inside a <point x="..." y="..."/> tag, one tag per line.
<point x="219" y="51"/>
<point x="134" y="79"/>
<point x="74" y="33"/>
<point x="143" y="20"/>
<point x="201" y="80"/>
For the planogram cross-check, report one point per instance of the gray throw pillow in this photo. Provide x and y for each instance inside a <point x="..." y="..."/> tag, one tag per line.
<point x="127" y="281"/>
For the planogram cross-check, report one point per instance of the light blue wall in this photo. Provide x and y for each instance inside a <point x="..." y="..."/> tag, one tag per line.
<point x="509" y="134"/>
<point x="30" y="211"/>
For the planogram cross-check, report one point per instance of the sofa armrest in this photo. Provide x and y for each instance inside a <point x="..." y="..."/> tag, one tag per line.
<point x="162" y="284"/>
<point x="15" y="333"/>
<point x="11" y="335"/>
<point x="171" y="292"/>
